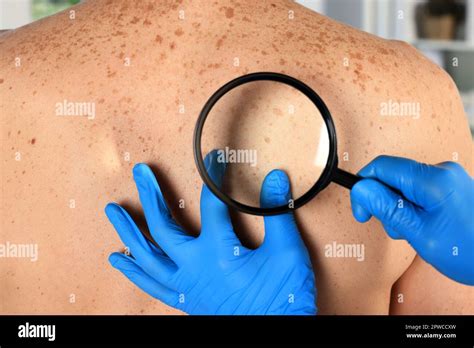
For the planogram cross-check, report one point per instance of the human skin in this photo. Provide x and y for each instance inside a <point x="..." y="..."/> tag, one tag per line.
<point x="147" y="111"/>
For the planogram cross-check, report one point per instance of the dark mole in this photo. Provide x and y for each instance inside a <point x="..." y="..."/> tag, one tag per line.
<point x="33" y="141"/>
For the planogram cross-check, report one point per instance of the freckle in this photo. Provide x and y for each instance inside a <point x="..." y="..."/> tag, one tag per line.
<point x="23" y="172"/>
<point x="180" y="129"/>
<point x="277" y="111"/>
<point x="1" y="80"/>
<point x="282" y="61"/>
<point x="380" y="127"/>
<point x="229" y="12"/>
<point x="34" y="92"/>
<point x="19" y="132"/>
<point x="289" y="34"/>
<point x="179" y="32"/>
<point x="172" y="45"/>
<point x="371" y="123"/>
<point x="101" y="101"/>
<point x="135" y="20"/>
<point x="220" y="42"/>
<point x="267" y="140"/>
<point x="439" y="129"/>
<point x="146" y="22"/>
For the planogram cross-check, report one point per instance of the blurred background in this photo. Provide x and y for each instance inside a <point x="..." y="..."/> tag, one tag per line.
<point x="442" y="29"/>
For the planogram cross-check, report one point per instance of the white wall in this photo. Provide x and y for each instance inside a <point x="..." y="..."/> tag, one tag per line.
<point x="14" y="13"/>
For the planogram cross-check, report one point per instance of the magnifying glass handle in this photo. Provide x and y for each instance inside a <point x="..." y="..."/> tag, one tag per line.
<point x="344" y="178"/>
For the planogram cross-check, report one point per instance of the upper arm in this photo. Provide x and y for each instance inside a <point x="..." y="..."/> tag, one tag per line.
<point x="423" y="290"/>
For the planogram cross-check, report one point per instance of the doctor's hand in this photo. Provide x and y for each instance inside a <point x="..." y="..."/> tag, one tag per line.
<point x="214" y="273"/>
<point x="432" y="207"/>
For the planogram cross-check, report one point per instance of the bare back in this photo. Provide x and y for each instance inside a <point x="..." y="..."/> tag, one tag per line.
<point x="149" y="67"/>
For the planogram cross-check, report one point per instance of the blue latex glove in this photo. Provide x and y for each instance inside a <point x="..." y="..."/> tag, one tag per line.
<point x="214" y="273"/>
<point x="434" y="212"/>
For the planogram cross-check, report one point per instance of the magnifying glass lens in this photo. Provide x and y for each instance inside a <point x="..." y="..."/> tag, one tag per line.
<point x="261" y="126"/>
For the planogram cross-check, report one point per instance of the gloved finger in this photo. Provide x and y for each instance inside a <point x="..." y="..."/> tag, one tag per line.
<point x="408" y="177"/>
<point x="140" y="278"/>
<point x="280" y="230"/>
<point x="157" y="266"/>
<point x="400" y="217"/>
<point x="215" y="218"/>
<point x="360" y="214"/>
<point x="164" y="230"/>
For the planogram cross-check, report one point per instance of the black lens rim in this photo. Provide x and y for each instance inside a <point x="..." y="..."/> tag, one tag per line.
<point x="319" y="185"/>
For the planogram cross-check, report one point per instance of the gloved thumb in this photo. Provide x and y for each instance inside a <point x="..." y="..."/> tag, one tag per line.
<point x="215" y="219"/>
<point x="279" y="229"/>
<point x="400" y="218"/>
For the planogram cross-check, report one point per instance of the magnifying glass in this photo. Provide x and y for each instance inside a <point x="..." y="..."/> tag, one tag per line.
<point x="264" y="121"/>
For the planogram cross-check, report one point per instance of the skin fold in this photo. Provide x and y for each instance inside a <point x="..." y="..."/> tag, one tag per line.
<point x="149" y="67"/>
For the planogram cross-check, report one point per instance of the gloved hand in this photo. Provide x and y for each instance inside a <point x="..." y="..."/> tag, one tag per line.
<point x="432" y="207"/>
<point x="214" y="273"/>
